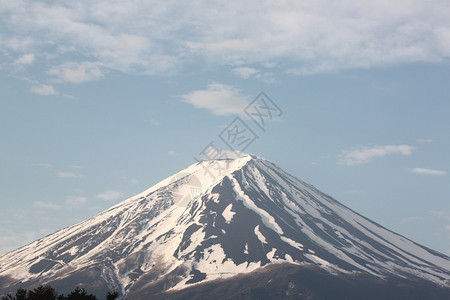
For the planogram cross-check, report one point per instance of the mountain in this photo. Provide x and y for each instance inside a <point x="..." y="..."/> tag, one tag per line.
<point x="232" y="228"/>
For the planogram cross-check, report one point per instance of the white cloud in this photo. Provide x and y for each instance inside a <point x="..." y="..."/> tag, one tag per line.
<point x="45" y="205"/>
<point x="428" y="171"/>
<point x="364" y="155"/>
<point x="218" y="98"/>
<point x="69" y="175"/>
<point x="224" y="46"/>
<point x="44" y="90"/>
<point x="157" y="36"/>
<point x="269" y="64"/>
<point x="77" y="72"/>
<point x="246" y="73"/>
<point x="110" y="195"/>
<point x="76" y="201"/>
<point x="411" y="219"/>
<point x="26" y="59"/>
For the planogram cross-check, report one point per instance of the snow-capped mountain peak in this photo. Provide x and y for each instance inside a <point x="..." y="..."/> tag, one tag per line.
<point x="214" y="220"/>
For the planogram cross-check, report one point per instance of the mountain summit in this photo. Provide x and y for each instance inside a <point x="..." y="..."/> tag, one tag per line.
<point x="240" y="223"/>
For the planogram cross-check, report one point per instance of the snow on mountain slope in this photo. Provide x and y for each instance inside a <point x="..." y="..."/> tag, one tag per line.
<point x="194" y="227"/>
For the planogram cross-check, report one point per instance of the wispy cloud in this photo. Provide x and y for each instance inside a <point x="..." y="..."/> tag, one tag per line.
<point x="152" y="37"/>
<point x="25" y="60"/>
<point x="110" y="195"/>
<point x="46" y="205"/>
<point x="76" y="201"/>
<point x="77" y="72"/>
<point x="423" y="141"/>
<point x="69" y="175"/>
<point x="44" y="90"/>
<point x="155" y="122"/>
<point x="223" y="46"/>
<point x="441" y="214"/>
<point x="220" y="99"/>
<point x="42" y="165"/>
<point x="134" y="181"/>
<point x="428" y="171"/>
<point x="411" y="219"/>
<point x="364" y="155"/>
<point x="269" y="64"/>
<point x="246" y="73"/>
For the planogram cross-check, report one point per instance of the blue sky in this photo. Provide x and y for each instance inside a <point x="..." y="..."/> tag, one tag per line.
<point x="100" y="101"/>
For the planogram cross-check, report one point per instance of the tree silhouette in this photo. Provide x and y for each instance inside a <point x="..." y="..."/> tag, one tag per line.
<point x="21" y="294"/>
<point x="49" y="293"/>
<point x="80" y="294"/>
<point x="112" y="295"/>
<point x="42" y="293"/>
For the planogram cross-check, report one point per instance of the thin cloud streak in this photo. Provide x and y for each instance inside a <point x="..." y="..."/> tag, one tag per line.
<point x="42" y="165"/>
<point x="364" y="155"/>
<point x="411" y="219"/>
<point x="76" y="201"/>
<point x="428" y="171"/>
<point x="44" y="90"/>
<point x="110" y="195"/>
<point x="424" y="141"/>
<point x="247" y="73"/>
<point x="46" y="205"/>
<point x="69" y="175"/>
<point x="441" y="214"/>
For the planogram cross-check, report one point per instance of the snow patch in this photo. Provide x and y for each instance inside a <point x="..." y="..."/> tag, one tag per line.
<point x="196" y="238"/>
<point x="288" y="258"/>
<point x="260" y="235"/>
<point x="316" y="259"/>
<point x="228" y="214"/>
<point x="268" y="220"/>
<point x="292" y="242"/>
<point x="271" y="254"/>
<point x="215" y="265"/>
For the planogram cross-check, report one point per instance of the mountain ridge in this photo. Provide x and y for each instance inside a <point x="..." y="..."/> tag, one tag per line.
<point x="195" y="227"/>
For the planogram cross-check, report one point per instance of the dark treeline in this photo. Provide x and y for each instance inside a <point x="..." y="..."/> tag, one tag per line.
<point x="49" y="293"/>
